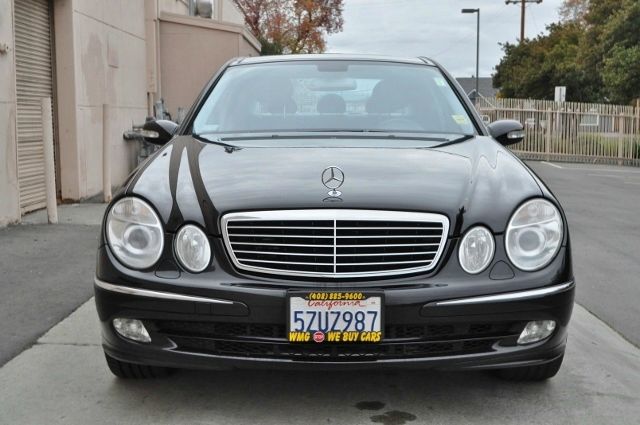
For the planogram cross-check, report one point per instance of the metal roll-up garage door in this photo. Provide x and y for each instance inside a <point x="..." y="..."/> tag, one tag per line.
<point x="34" y="80"/>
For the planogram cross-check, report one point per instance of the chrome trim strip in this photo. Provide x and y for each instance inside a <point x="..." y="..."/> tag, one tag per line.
<point x="247" y="235"/>
<point x="386" y="254"/>
<point x="388" y="236"/>
<point x="386" y="245"/>
<point x="156" y="294"/>
<point x="283" y="244"/>
<point x="509" y="296"/>
<point x="229" y="221"/>
<point x="286" y="253"/>
<point x="249" y="260"/>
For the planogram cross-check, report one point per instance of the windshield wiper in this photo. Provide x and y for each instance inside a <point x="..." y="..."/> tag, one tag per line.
<point x="221" y="139"/>
<point x="460" y="139"/>
<point x="332" y="134"/>
<point x="215" y="140"/>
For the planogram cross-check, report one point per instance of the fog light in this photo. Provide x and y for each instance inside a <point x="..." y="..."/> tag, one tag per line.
<point x="131" y="329"/>
<point x="536" y="331"/>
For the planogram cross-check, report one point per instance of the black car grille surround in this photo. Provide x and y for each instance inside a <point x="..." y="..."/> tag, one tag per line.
<point x="327" y="352"/>
<point x="391" y="332"/>
<point x="335" y="243"/>
<point x="400" y="341"/>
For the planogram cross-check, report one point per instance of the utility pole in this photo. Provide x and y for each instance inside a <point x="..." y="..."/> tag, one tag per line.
<point x="523" y="5"/>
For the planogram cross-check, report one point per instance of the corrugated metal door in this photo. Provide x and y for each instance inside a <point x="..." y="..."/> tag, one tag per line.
<point x="34" y="80"/>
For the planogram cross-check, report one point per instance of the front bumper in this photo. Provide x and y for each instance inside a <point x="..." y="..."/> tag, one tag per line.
<point x="244" y="327"/>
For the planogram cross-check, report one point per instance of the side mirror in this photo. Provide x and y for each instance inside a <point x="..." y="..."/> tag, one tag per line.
<point x="506" y="132"/>
<point x="158" y="132"/>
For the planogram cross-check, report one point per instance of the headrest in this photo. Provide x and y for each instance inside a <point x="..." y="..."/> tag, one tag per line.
<point x="277" y="97"/>
<point x="388" y="96"/>
<point x="331" y="104"/>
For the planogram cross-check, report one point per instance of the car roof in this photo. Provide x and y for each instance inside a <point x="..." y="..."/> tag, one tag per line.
<point x="332" y="57"/>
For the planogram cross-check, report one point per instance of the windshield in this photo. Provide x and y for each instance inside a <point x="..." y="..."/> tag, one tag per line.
<point x="332" y="96"/>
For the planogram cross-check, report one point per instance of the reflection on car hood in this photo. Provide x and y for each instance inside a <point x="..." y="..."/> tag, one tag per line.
<point x="477" y="181"/>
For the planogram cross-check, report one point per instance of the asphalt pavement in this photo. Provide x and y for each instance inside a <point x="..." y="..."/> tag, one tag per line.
<point x="61" y="377"/>
<point x="602" y="204"/>
<point x="46" y="272"/>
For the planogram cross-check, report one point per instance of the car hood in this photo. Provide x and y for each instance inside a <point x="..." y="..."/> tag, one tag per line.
<point x="472" y="182"/>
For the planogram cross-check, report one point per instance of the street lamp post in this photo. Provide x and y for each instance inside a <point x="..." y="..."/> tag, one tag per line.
<point x="475" y="96"/>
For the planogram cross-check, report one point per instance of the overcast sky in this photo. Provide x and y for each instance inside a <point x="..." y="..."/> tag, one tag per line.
<point x="437" y="29"/>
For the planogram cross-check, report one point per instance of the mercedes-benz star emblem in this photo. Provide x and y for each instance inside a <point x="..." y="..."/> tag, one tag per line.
<point x="333" y="178"/>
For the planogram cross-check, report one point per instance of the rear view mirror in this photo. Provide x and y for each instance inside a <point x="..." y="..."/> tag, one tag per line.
<point x="507" y="132"/>
<point x="158" y="132"/>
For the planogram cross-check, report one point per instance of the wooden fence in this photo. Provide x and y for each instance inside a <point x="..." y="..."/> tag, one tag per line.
<point x="571" y="131"/>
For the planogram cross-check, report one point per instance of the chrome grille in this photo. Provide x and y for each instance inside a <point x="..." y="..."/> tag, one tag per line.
<point x="335" y="243"/>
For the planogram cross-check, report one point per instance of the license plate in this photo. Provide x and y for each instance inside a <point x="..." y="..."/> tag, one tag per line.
<point x="335" y="317"/>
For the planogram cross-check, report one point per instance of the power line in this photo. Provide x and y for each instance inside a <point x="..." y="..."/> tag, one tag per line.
<point x="523" y="4"/>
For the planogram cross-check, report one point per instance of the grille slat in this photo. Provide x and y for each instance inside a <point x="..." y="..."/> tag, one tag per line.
<point x="386" y="237"/>
<point x="284" y="236"/>
<point x="252" y="260"/>
<point x="386" y="245"/>
<point x="279" y="244"/>
<point x="300" y="254"/>
<point x="280" y="227"/>
<point x="379" y="263"/>
<point x="389" y="228"/>
<point x="381" y="254"/>
<point x="335" y="243"/>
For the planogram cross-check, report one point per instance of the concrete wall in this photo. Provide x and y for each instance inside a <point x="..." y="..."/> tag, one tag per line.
<point x="9" y="195"/>
<point x="192" y="49"/>
<point x="122" y="54"/>
<point x="223" y="10"/>
<point x="101" y="59"/>
<point x="228" y="12"/>
<point x="180" y="7"/>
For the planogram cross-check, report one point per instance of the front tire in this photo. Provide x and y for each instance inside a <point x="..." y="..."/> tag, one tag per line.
<point x="532" y="373"/>
<point x="127" y="370"/>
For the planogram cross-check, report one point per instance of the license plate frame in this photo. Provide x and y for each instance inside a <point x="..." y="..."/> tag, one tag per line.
<point x="354" y="304"/>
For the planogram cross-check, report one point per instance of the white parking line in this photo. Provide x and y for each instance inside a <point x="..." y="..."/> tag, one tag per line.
<point x="605" y="175"/>
<point x="602" y="170"/>
<point x="552" y="164"/>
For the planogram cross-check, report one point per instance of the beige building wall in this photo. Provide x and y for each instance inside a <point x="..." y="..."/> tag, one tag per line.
<point x="9" y="195"/>
<point x="223" y="10"/>
<point x="173" y="6"/>
<point x="100" y="53"/>
<point x="228" y="12"/>
<point x="125" y="54"/>
<point x="192" y="49"/>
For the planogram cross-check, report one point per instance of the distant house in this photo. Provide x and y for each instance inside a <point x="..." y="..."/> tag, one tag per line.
<point x="485" y="86"/>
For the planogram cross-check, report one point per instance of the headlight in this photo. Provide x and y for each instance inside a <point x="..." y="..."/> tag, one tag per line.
<point x="534" y="235"/>
<point x="192" y="248"/>
<point x="134" y="233"/>
<point x="476" y="250"/>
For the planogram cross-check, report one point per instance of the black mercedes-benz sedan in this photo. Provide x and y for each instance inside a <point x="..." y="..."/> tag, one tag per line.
<point x="336" y="212"/>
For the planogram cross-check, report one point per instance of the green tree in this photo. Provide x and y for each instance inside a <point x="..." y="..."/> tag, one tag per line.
<point x="594" y="51"/>
<point x="619" y="43"/>
<point x="573" y="10"/>
<point x="533" y="68"/>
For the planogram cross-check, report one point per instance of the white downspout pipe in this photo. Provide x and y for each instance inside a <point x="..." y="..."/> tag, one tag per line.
<point x="49" y="161"/>
<point x="106" y="153"/>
